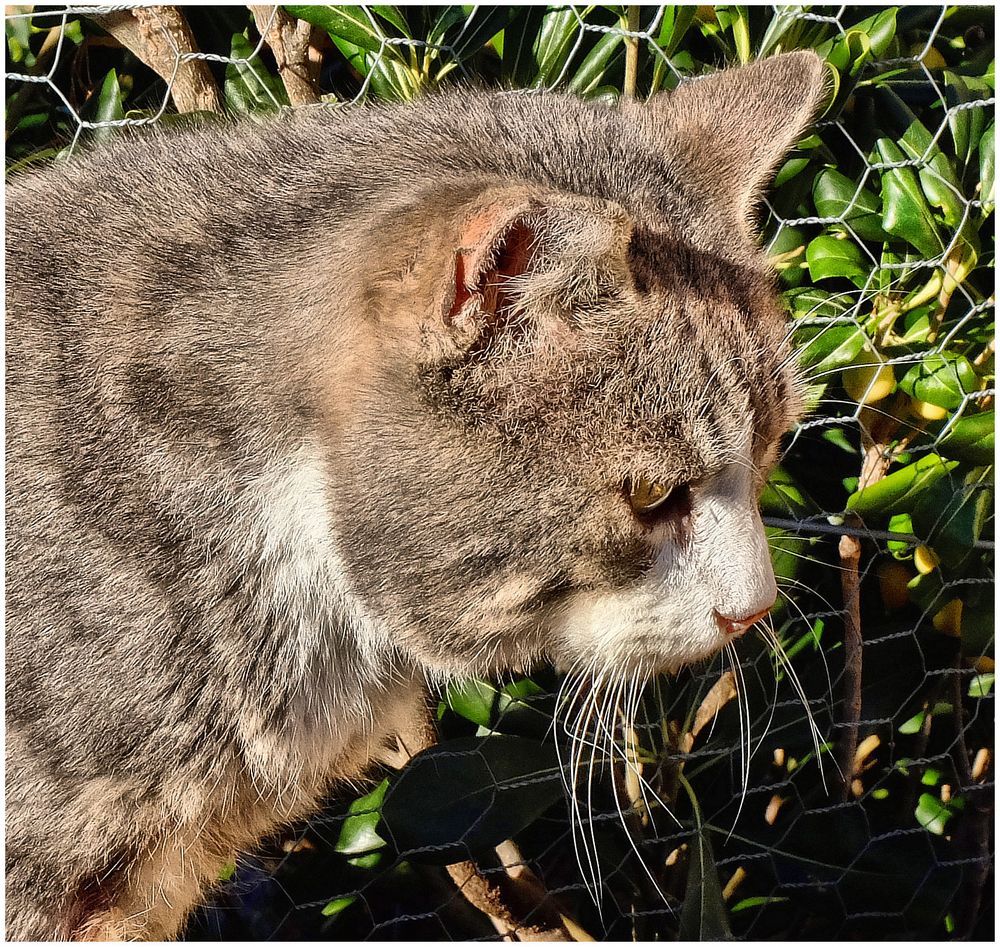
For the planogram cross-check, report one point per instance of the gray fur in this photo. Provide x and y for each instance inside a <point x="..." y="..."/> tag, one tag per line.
<point x="278" y="449"/>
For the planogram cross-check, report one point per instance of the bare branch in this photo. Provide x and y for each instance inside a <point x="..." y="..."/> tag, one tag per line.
<point x="877" y="459"/>
<point x="631" y="52"/>
<point x="290" y="41"/>
<point x="160" y="36"/>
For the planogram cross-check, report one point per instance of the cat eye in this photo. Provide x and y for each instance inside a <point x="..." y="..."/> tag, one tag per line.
<point x="653" y="501"/>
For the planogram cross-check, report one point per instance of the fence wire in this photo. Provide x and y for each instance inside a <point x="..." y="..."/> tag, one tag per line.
<point x="833" y="779"/>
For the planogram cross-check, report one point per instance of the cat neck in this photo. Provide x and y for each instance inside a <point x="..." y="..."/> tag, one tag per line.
<point x="325" y="670"/>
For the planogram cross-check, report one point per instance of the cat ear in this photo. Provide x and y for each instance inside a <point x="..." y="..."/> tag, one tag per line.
<point x="496" y="247"/>
<point x="731" y="129"/>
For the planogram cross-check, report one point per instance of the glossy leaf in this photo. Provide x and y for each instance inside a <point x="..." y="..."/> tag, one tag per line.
<point x="899" y="491"/>
<point x="350" y="23"/>
<point x="782" y="496"/>
<point x="704" y="916"/>
<point x="971" y="438"/>
<point x="836" y="195"/>
<point x="932" y="813"/>
<point x="942" y="378"/>
<point x="987" y="166"/>
<point x="467" y="796"/>
<point x="249" y="87"/>
<point x="592" y="72"/>
<point x="358" y="834"/>
<point x="823" y="349"/>
<point x="905" y="211"/>
<point x="109" y="105"/>
<point x="830" y="256"/>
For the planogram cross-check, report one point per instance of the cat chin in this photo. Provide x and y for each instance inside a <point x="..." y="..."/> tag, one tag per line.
<point x="643" y="630"/>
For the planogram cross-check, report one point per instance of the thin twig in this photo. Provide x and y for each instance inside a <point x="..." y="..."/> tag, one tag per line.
<point x="974" y="834"/>
<point x="850" y="557"/>
<point x="875" y="464"/>
<point x="631" y="53"/>
<point x="516" y="902"/>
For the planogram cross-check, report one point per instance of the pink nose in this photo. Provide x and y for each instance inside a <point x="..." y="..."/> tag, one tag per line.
<point x="736" y="626"/>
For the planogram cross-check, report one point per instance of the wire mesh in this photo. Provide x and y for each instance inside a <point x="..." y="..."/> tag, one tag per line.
<point x="714" y="791"/>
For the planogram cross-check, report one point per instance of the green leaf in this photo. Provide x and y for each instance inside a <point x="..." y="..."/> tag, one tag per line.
<point x="468" y="795"/>
<point x="755" y="902"/>
<point x="703" y="914"/>
<point x="836" y="195"/>
<point x="554" y="44"/>
<point x="966" y="124"/>
<point x="899" y="491"/>
<point x="905" y="212"/>
<point x="829" y="347"/>
<point x="358" y="834"/>
<point x="477" y="701"/>
<point x="674" y="25"/>
<point x="951" y="518"/>
<point x="782" y="496"/>
<point x="932" y="813"/>
<point x="249" y="87"/>
<point x="519" y="65"/>
<point x="789" y="169"/>
<point x="350" y="23"/>
<point x="109" y="105"/>
<point x="987" y="167"/>
<point x="942" y="378"/>
<point x="900" y="523"/>
<point x="481" y="25"/>
<point x="850" y="52"/>
<point x="971" y="438"/>
<point x="786" y="253"/>
<point x="812" y="302"/>
<point x="593" y="71"/>
<point x="830" y="256"/>
<point x="394" y="16"/>
<point x="880" y="30"/>
<point x="937" y="177"/>
<point x="334" y="907"/>
<point x="982" y="684"/>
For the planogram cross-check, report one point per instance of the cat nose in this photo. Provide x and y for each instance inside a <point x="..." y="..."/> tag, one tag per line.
<point x="736" y="626"/>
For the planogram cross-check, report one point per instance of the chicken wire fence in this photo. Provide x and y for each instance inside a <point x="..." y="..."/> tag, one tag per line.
<point x="832" y="777"/>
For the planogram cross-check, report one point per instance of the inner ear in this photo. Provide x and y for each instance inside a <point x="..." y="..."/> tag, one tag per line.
<point x="493" y="253"/>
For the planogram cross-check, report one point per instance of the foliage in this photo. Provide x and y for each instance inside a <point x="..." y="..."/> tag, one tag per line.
<point x="880" y="227"/>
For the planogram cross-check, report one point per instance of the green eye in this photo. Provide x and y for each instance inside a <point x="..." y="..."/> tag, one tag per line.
<point x="645" y="495"/>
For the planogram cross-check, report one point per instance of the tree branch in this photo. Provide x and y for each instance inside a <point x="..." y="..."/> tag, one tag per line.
<point x="878" y="457"/>
<point x="159" y="36"/>
<point x="290" y="41"/>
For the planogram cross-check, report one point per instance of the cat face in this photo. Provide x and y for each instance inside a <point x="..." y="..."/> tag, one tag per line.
<point x="560" y="451"/>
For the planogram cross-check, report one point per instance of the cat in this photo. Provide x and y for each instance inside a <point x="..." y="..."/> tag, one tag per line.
<point x="302" y="416"/>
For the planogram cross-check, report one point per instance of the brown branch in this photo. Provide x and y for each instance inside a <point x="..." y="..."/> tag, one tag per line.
<point x="877" y="458"/>
<point x="518" y="905"/>
<point x="159" y="36"/>
<point x="631" y="52"/>
<point x="850" y="581"/>
<point x="290" y="41"/>
<point x="974" y="834"/>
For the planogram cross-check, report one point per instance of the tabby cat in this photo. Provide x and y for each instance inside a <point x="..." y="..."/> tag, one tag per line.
<point x="302" y="416"/>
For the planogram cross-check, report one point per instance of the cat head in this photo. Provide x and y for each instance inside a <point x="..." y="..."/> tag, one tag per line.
<point x="573" y="394"/>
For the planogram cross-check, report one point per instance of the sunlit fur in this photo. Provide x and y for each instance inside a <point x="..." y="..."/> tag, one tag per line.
<point x="302" y="414"/>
